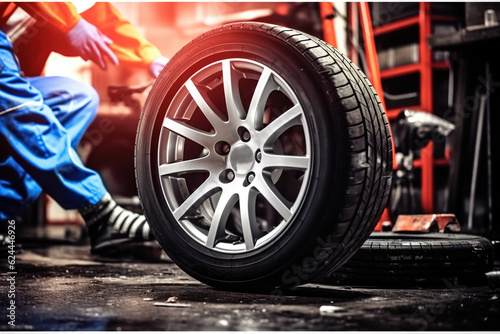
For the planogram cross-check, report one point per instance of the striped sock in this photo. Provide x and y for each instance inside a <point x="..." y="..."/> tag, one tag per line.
<point x="125" y="222"/>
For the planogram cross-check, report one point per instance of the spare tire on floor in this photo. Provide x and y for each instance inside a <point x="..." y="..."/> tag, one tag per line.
<point x="404" y="258"/>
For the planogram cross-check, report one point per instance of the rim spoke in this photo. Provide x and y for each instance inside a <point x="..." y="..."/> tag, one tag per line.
<point x="248" y="202"/>
<point x="207" y="189"/>
<point x="264" y="87"/>
<point x="219" y="220"/>
<point x="205" y="108"/>
<point x="234" y="106"/>
<point x="275" y="199"/>
<point x="284" y="122"/>
<point x="203" y="138"/>
<point x="181" y="167"/>
<point x="285" y="161"/>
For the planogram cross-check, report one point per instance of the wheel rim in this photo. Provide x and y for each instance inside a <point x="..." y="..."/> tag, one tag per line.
<point x="234" y="156"/>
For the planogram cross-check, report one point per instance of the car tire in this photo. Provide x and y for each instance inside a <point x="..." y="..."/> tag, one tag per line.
<point x="263" y="157"/>
<point x="402" y="258"/>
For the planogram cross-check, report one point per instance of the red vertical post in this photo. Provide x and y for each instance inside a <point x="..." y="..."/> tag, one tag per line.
<point x="426" y="103"/>
<point x="370" y="50"/>
<point x="353" y="22"/>
<point x="327" y="15"/>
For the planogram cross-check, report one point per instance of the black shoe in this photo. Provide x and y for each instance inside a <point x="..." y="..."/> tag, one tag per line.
<point x="111" y="226"/>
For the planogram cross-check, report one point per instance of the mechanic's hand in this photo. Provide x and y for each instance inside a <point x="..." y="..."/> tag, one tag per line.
<point x="157" y="65"/>
<point x="91" y="44"/>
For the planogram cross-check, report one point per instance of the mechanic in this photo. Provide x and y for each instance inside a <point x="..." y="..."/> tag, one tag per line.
<point x="42" y="119"/>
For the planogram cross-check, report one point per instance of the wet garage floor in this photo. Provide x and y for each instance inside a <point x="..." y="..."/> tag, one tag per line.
<point x="65" y="288"/>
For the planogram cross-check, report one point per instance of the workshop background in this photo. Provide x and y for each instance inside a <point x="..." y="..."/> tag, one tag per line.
<point x="421" y="68"/>
<point x="438" y="70"/>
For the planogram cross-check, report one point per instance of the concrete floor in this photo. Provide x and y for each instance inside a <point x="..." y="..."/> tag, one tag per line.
<point x="63" y="287"/>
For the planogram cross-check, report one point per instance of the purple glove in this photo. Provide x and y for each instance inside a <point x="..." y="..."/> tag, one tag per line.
<point x="90" y="44"/>
<point x="157" y="65"/>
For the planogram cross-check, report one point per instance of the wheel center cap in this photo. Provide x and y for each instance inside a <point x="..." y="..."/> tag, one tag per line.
<point x="241" y="158"/>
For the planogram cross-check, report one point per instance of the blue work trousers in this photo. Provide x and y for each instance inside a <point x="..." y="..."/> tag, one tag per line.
<point x="42" y="119"/>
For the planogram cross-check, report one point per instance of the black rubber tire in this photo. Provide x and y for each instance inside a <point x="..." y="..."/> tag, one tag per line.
<point x="405" y="258"/>
<point x="351" y="167"/>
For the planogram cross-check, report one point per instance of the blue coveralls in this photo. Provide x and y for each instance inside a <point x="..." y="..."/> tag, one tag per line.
<point x="42" y="119"/>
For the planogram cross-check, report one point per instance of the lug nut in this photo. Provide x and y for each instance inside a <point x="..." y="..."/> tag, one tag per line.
<point x="225" y="148"/>
<point x="258" y="156"/>
<point x="222" y="148"/>
<point x="250" y="177"/>
<point x="230" y="175"/>
<point x="245" y="136"/>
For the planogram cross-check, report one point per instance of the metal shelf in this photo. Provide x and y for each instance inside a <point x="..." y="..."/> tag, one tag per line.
<point x="400" y="70"/>
<point x="408" y="22"/>
<point x="440" y="162"/>
<point x="397" y="25"/>
<point x="424" y="67"/>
